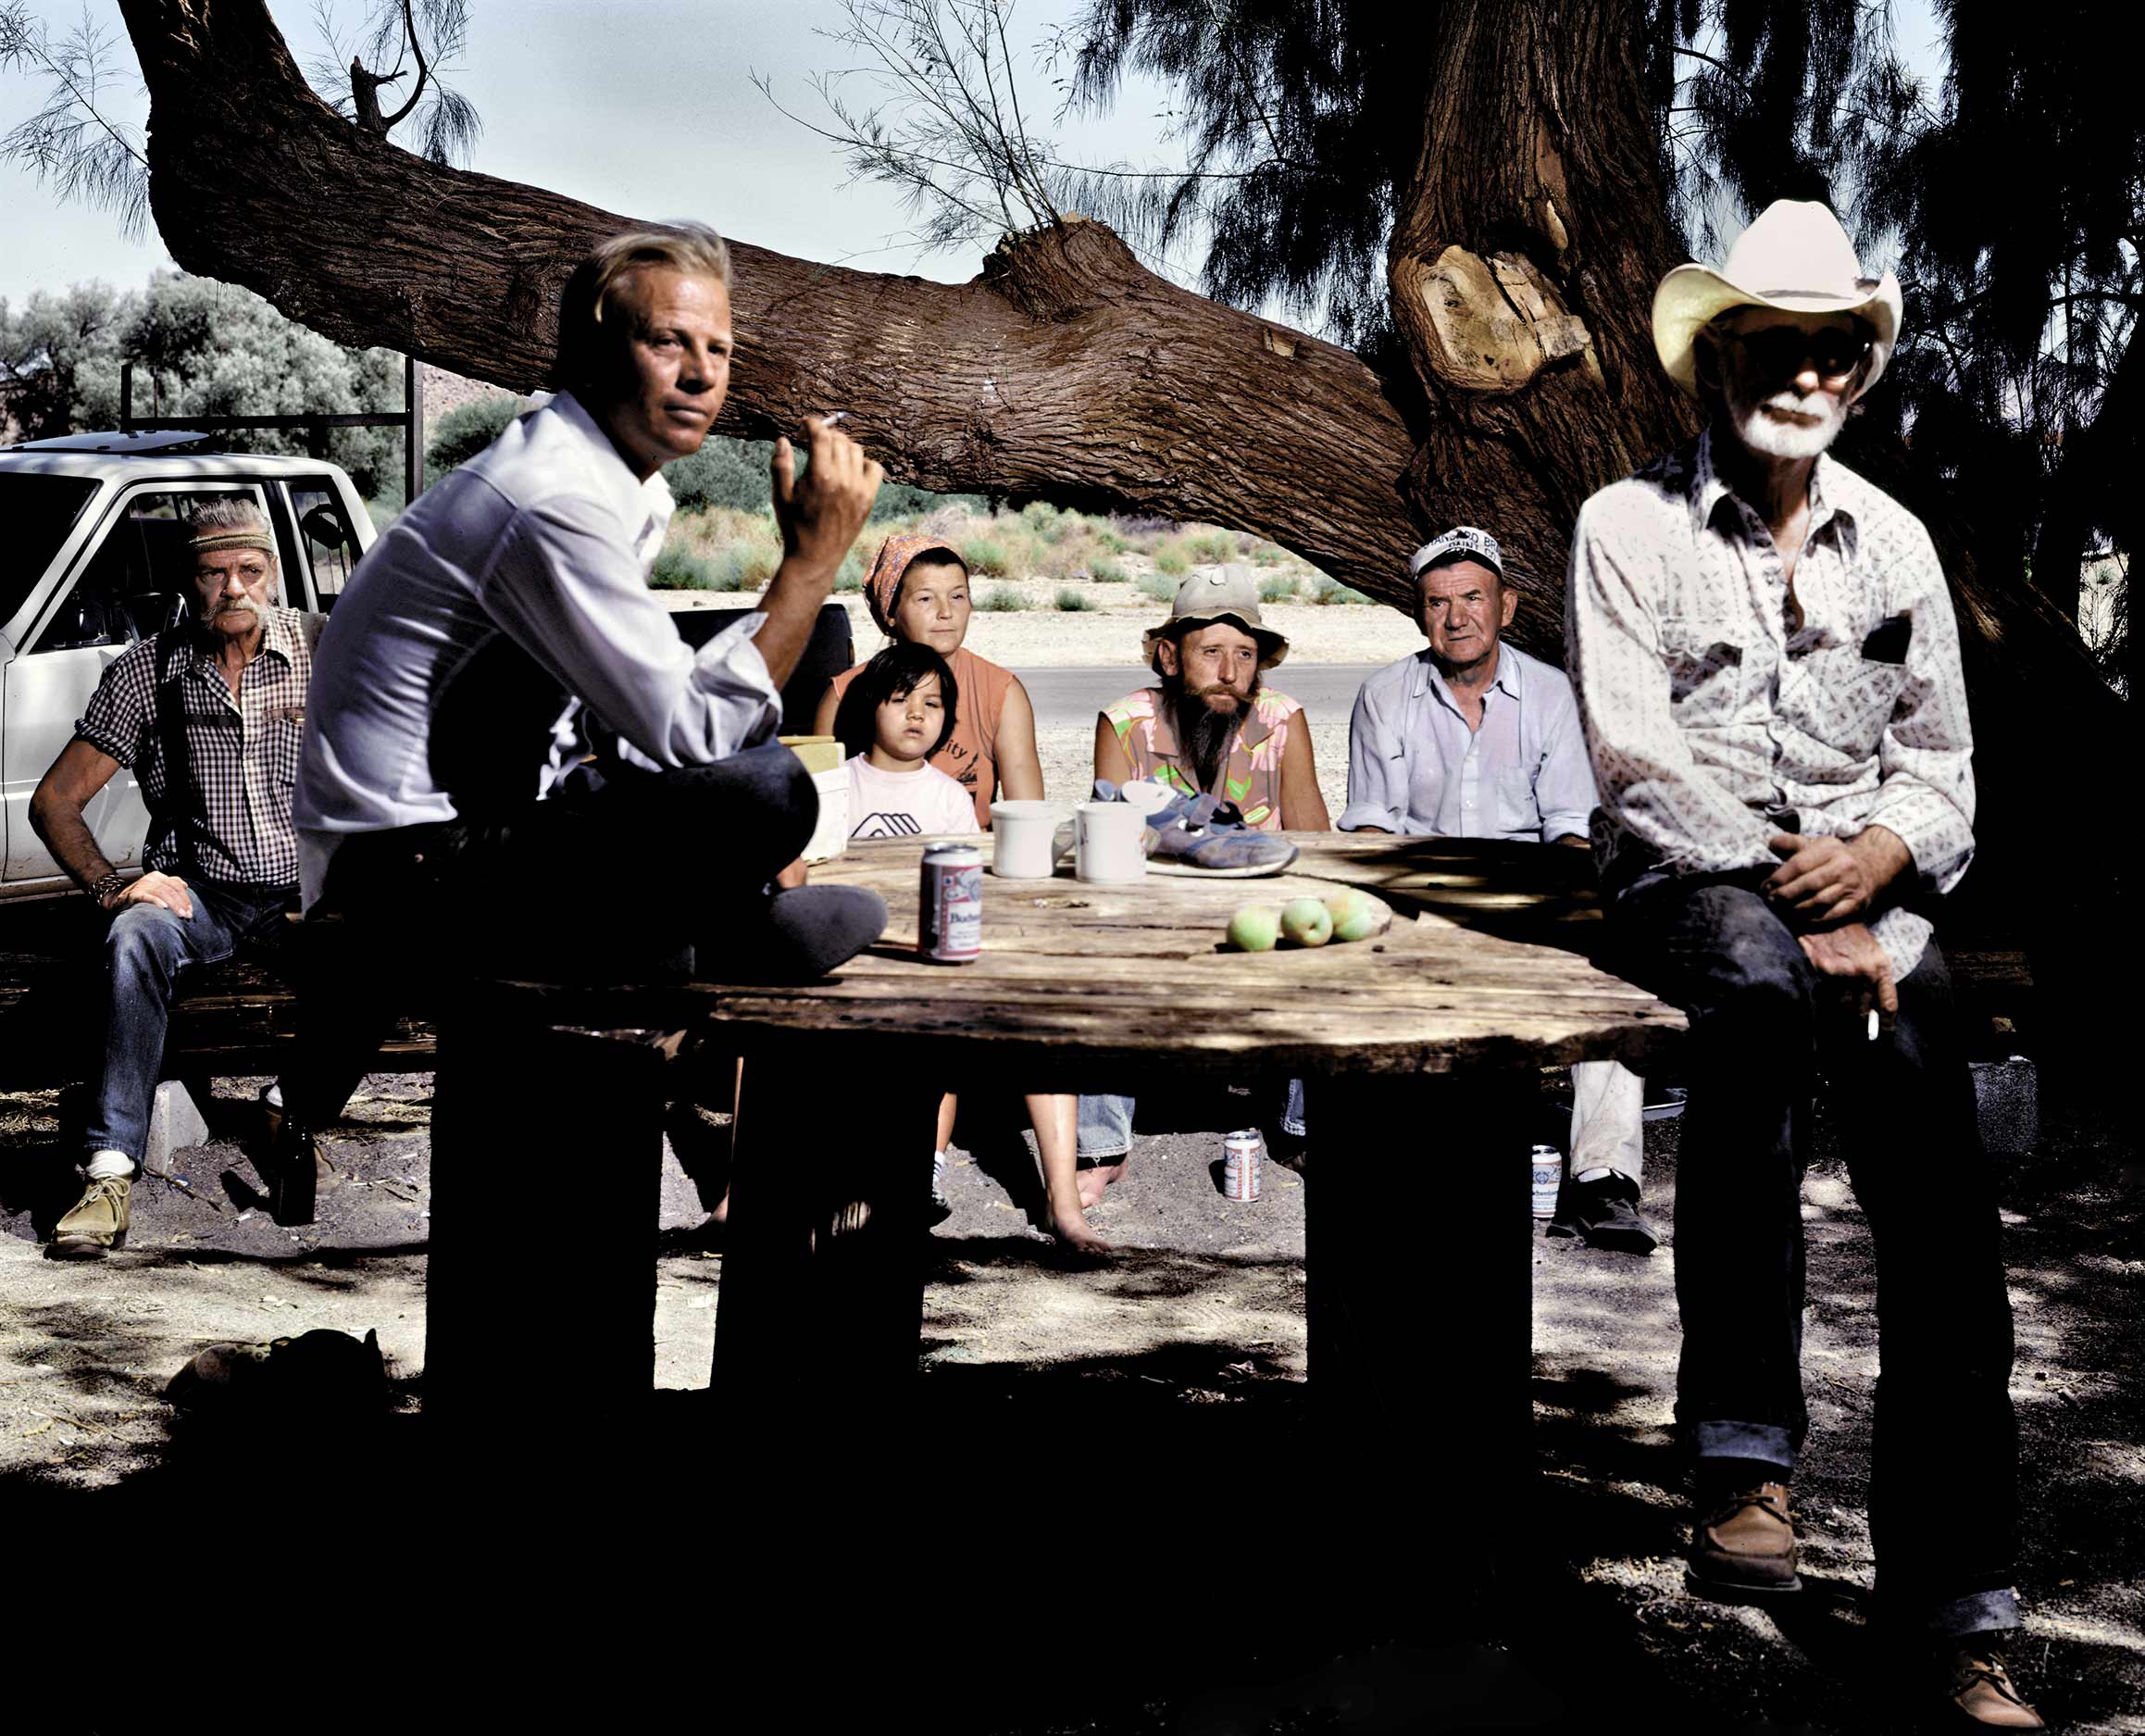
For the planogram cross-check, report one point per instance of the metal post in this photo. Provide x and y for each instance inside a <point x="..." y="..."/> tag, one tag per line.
<point x="413" y="397"/>
<point x="126" y="397"/>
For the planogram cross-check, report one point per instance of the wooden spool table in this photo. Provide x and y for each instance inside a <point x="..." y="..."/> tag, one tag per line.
<point x="1412" y="1047"/>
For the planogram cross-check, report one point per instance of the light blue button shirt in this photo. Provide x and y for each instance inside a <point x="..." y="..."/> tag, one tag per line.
<point x="1414" y="767"/>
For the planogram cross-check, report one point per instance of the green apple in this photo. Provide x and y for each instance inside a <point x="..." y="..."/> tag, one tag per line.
<point x="1357" y="916"/>
<point x="1254" y="928"/>
<point x="1306" y="922"/>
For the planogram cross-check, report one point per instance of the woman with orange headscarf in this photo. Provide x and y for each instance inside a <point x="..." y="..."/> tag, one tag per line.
<point x="918" y="590"/>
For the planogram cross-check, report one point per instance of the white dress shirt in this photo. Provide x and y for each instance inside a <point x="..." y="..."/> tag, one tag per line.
<point x="1414" y="767"/>
<point x="1707" y="717"/>
<point x="546" y="537"/>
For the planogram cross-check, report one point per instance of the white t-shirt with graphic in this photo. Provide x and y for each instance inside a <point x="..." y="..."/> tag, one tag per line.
<point x="905" y="803"/>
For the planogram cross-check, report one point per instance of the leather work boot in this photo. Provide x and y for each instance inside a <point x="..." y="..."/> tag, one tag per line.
<point x="1977" y="1693"/>
<point x="1742" y="1546"/>
<point x="97" y="1222"/>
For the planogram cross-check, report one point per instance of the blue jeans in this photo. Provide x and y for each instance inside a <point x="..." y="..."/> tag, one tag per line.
<point x="145" y="950"/>
<point x="1105" y="1128"/>
<point x="1943" y="1500"/>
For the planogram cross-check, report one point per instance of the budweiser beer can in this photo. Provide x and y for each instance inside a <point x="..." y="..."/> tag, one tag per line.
<point x="1547" y="1164"/>
<point x="950" y="910"/>
<point x="1239" y="1163"/>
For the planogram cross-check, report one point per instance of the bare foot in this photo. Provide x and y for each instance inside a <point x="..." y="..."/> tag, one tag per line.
<point x="1092" y="1181"/>
<point x="1073" y="1232"/>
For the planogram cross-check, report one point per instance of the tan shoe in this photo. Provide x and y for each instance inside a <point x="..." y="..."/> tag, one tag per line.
<point x="1978" y="1691"/>
<point x="1742" y="1546"/>
<point x="97" y="1224"/>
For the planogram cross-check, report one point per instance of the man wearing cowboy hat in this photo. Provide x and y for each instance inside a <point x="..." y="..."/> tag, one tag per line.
<point x="207" y="714"/>
<point x="1471" y="738"/>
<point x="1768" y="675"/>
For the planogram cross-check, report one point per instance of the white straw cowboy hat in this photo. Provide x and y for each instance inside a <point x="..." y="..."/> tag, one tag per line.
<point x="1795" y="259"/>
<point x="1229" y="593"/>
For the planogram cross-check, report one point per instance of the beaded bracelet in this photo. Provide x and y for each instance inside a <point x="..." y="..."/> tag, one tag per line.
<point x="103" y="888"/>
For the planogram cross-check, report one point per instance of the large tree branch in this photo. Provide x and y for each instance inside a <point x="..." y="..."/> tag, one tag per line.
<point x="1066" y="368"/>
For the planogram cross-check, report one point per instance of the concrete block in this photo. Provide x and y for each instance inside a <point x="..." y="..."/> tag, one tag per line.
<point x="2007" y="1097"/>
<point x="175" y="1123"/>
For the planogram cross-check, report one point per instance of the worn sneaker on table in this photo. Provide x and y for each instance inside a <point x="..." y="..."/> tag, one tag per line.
<point x="1604" y="1214"/>
<point x="1975" y="1690"/>
<point x="1742" y="1545"/>
<point x="1210" y="834"/>
<point x="97" y="1222"/>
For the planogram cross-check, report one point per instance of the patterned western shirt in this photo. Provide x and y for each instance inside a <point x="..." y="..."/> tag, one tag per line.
<point x="242" y="752"/>
<point x="1709" y="713"/>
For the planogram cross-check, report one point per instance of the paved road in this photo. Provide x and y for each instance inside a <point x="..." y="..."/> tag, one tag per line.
<point x="1069" y="698"/>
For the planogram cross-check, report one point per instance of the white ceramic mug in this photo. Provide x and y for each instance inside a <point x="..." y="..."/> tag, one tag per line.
<point x="1020" y="839"/>
<point x="1106" y="842"/>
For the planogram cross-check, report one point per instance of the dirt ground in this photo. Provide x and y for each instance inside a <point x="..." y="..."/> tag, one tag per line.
<point x="1147" y="1375"/>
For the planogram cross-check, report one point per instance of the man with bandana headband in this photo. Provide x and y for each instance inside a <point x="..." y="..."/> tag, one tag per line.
<point x="207" y="716"/>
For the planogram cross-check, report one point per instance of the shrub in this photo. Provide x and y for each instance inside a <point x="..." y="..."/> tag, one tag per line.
<point x="725" y="473"/>
<point x="466" y="430"/>
<point x="1267" y="555"/>
<point x="1110" y="540"/>
<point x="1001" y="600"/>
<point x="1159" y="587"/>
<point x="988" y="557"/>
<point x="1045" y="520"/>
<point x="744" y="566"/>
<point x="1169" y="558"/>
<point x="1211" y="547"/>
<point x="1072" y="602"/>
<point x="1331" y="591"/>
<point x="851" y="578"/>
<point x="1107" y="572"/>
<point x="681" y="570"/>
<point x="1280" y="588"/>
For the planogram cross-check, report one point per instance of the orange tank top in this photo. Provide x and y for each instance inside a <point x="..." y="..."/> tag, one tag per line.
<point x="970" y="756"/>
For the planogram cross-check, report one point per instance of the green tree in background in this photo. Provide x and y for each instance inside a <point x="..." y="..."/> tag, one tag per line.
<point x="199" y="347"/>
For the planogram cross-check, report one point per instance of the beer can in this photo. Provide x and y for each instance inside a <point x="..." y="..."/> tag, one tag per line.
<point x="1547" y="1164"/>
<point x="950" y="910"/>
<point x="1239" y="1163"/>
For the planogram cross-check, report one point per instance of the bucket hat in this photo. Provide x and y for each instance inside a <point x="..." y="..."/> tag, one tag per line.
<point x="1795" y="259"/>
<point x="1229" y="593"/>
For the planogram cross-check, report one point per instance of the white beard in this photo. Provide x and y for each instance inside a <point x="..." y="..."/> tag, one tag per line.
<point x="1773" y="439"/>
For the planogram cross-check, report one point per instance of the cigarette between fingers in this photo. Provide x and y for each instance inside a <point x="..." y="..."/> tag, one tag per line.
<point x="1872" y="1037"/>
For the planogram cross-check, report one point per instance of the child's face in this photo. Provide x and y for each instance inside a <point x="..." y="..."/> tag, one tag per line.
<point x="933" y="606"/>
<point x="908" y="724"/>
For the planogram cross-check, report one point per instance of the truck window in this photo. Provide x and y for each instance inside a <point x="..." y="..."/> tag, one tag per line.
<point x="137" y="582"/>
<point x="39" y="511"/>
<point x="330" y="544"/>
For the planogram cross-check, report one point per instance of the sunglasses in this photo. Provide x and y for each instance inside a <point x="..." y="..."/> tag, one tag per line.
<point x="1779" y="352"/>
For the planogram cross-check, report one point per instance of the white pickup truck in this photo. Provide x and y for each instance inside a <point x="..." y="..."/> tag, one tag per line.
<point x="96" y="559"/>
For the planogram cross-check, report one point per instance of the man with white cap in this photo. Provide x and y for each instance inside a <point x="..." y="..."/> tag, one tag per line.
<point x="1471" y="738"/>
<point x="1768" y="674"/>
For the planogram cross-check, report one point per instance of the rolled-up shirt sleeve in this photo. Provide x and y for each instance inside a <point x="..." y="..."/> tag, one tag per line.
<point x="1564" y="791"/>
<point x="1644" y="774"/>
<point x="1375" y="796"/>
<point x="1925" y="754"/>
<point x="570" y="592"/>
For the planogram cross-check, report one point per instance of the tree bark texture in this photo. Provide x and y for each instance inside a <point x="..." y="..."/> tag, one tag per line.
<point x="1522" y="264"/>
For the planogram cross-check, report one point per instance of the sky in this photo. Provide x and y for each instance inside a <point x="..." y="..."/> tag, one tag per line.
<point x="645" y="108"/>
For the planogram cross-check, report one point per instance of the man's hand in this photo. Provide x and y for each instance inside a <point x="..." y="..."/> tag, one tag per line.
<point x="820" y="516"/>
<point x="1832" y="880"/>
<point x="1853" y="956"/>
<point x="167" y="890"/>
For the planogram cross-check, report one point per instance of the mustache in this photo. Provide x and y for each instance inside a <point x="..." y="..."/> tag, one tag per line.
<point x="222" y="605"/>
<point x="1817" y="406"/>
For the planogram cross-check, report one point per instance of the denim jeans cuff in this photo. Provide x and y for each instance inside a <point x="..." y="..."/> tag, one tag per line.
<point x="1765" y="1442"/>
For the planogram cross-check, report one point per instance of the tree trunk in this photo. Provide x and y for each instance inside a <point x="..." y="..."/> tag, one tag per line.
<point x="1522" y="264"/>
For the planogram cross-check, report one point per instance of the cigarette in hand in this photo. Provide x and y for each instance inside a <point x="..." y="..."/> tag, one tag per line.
<point x="1872" y="1024"/>
<point x="834" y="416"/>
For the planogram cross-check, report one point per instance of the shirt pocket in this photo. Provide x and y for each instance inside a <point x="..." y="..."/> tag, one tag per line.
<point x="1517" y="808"/>
<point x="1708" y="671"/>
<point x="1846" y="699"/>
<point x="285" y="733"/>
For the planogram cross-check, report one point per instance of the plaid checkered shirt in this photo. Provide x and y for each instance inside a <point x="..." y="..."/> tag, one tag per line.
<point x="243" y="750"/>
